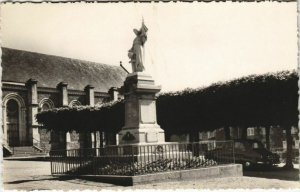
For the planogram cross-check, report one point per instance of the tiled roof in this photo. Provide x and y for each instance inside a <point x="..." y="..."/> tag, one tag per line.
<point x="49" y="70"/>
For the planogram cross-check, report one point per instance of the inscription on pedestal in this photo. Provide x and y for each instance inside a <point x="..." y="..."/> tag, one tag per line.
<point x="151" y="137"/>
<point x="131" y="114"/>
<point x="147" y="111"/>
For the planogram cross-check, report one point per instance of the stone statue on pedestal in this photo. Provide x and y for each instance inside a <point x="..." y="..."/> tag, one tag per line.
<point x="140" y="92"/>
<point x="136" y="53"/>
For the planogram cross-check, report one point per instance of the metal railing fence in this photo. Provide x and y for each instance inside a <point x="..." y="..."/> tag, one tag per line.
<point x="141" y="159"/>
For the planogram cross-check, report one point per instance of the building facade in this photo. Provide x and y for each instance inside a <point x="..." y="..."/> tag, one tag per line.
<point x="277" y="136"/>
<point x="32" y="82"/>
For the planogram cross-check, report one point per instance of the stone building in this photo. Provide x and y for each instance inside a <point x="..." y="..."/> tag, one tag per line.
<point x="277" y="135"/>
<point x="32" y="82"/>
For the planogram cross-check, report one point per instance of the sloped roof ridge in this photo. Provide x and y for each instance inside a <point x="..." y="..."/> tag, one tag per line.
<point x="62" y="57"/>
<point x="49" y="70"/>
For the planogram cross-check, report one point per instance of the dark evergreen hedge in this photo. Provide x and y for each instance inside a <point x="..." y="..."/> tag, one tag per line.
<point x="256" y="100"/>
<point x="108" y="117"/>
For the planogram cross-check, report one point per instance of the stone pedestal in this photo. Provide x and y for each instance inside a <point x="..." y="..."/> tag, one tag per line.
<point x="140" y="111"/>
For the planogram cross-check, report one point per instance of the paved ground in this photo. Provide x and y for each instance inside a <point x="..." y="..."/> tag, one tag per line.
<point x="30" y="175"/>
<point x="274" y="172"/>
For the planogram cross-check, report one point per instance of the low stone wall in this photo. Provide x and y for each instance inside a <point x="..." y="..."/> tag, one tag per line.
<point x="231" y="170"/>
<point x="203" y="173"/>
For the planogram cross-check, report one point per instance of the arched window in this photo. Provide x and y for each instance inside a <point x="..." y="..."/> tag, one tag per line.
<point x="45" y="107"/>
<point x="74" y="103"/>
<point x="12" y="122"/>
<point x="46" y="104"/>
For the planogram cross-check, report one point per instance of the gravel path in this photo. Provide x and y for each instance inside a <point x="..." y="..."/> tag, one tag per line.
<point x="30" y="175"/>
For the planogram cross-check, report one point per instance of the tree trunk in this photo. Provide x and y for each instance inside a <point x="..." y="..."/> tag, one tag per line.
<point x="227" y="133"/>
<point x="289" y="149"/>
<point x="244" y="133"/>
<point x="194" y="136"/>
<point x="88" y="140"/>
<point x="95" y="139"/>
<point x="268" y="137"/>
<point x="101" y="139"/>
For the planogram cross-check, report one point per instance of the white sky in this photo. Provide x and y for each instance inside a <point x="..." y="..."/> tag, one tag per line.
<point x="189" y="44"/>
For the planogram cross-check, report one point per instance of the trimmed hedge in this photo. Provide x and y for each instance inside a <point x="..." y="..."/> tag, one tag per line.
<point x="108" y="117"/>
<point x="256" y="100"/>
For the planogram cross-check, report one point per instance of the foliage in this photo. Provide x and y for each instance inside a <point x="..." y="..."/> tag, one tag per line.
<point x="108" y="117"/>
<point x="257" y="100"/>
<point x="160" y="165"/>
<point x="129" y="167"/>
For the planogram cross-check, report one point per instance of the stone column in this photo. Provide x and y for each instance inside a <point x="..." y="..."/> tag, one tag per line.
<point x="140" y="111"/>
<point x="63" y="102"/>
<point x="113" y="91"/>
<point x="90" y="98"/>
<point x="68" y="140"/>
<point x="63" y="94"/>
<point x="33" y="131"/>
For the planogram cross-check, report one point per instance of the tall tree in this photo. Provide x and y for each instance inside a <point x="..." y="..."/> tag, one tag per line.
<point x="267" y="137"/>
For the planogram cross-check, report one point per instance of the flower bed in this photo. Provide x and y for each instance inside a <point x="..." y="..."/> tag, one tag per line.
<point x="131" y="160"/>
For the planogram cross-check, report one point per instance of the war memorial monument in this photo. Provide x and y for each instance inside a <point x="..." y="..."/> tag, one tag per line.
<point x="142" y="155"/>
<point x="140" y="93"/>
